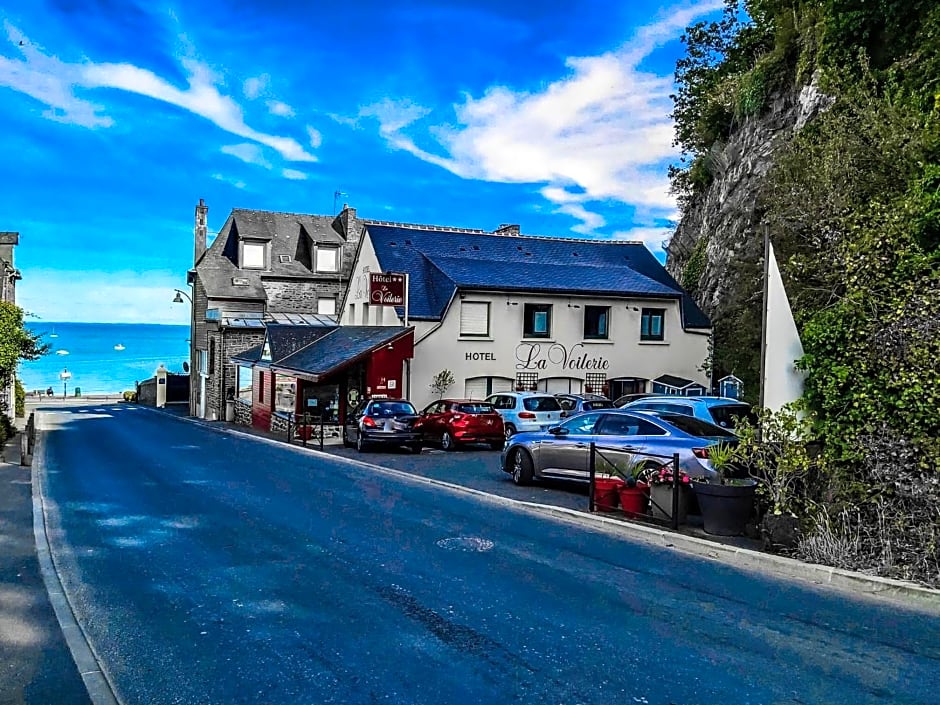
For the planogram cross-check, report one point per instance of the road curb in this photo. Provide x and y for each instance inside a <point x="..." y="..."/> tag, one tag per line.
<point x="910" y="594"/>
<point x="96" y="681"/>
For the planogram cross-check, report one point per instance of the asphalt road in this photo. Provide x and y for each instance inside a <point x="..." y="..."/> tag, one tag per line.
<point x="209" y="568"/>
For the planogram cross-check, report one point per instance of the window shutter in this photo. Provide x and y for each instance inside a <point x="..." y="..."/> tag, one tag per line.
<point x="474" y="318"/>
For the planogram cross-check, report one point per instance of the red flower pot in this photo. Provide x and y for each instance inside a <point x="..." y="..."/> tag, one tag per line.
<point x="605" y="493"/>
<point x="634" y="500"/>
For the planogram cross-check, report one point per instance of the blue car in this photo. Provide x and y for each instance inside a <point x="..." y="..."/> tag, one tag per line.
<point x="717" y="410"/>
<point x="623" y="438"/>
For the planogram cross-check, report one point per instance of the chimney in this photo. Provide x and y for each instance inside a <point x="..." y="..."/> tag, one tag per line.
<point x="507" y="229"/>
<point x="201" y="229"/>
<point x="349" y="223"/>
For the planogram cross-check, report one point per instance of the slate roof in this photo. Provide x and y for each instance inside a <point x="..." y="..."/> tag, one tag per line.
<point x="284" y="340"/>
<point x="290" y="234"/>
<point x="439" y="262"/>
<point x="250" y="356"/>
<point x="676" y="382"/>
<point x="342" y="346"/>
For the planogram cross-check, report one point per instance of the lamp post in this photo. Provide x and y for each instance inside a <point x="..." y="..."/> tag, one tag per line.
<point x="65" y="376"/>
<point x="193" y="375"/>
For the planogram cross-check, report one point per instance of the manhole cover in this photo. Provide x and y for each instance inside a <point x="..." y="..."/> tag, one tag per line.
<point x="465" y="543"/>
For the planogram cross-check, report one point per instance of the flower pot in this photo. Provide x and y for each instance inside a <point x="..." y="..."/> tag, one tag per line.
<point x="661" y="496"/>
<point x="634" y="500"/>
<point x="605" y="493"/>
<point x="726" y="508"/>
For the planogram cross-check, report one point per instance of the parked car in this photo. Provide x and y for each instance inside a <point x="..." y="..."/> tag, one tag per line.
<point x="576" y="403"/>
<point x="716" y="410"/>
<point x="526" y="411"/>
<point x="454" y="422"/>
<point x="650" y="440"/>
<point x="627" y="398"/>
<point x="387" y="422"/>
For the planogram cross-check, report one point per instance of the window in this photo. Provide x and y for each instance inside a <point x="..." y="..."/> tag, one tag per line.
<point x="212" y="358"/>
<point x="625" y="425"/>
<point x="477" y="407"/>
<point x="537" y="322"/>
<point x="651" y="324"/>
<point x="474" y="318"/>
<point x="327" y="259"/>
<point x="253" y="255"/>
<point x="284" y="397"/>
<point x="696" y="427"/>
<point x="595" y="321"/>
<point x="581" y="424"/>
<point x="540" y="404"/>
<point x="326" y="306"/>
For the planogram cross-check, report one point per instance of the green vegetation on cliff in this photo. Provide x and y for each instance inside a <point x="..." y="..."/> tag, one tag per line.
<point x="852" y="204"/>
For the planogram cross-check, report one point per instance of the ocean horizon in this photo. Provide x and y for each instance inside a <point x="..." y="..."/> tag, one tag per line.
<point x="103" y="358"/>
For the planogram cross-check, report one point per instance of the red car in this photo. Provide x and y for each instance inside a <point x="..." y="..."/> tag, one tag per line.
<point x="453" y="422"/>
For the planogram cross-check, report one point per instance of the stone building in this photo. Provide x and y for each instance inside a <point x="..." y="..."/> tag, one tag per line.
<point x="262" y="267"/>
<point x="9" y="275"/>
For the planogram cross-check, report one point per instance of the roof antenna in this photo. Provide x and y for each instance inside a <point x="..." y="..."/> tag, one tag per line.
<point x="337" y="194"/>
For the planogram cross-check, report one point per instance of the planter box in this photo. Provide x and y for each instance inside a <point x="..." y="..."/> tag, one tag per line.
<point x="662" y="495"/>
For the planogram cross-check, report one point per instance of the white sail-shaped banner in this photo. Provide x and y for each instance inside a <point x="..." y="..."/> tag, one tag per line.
<point x="781" y="382"/>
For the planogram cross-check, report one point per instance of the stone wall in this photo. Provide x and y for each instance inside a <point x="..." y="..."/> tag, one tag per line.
<point x="242" y="413"/>
<point x="279" y="424"/>
<point x="223" y="344"/>
<point x="294" y="296"/>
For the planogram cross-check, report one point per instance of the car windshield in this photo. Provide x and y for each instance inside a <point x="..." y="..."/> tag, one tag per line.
<point x="724" y="414"/>
<point x="696" y="427"/>
<point x="392" y="408"/>
<point x="475" y="408"/>
<point x="540" y="404"/>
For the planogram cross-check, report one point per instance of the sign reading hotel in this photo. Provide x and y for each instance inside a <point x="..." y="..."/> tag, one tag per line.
<point x="386" y="289"/>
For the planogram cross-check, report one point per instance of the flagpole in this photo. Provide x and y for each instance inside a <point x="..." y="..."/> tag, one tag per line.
<point x="763" y="323"/>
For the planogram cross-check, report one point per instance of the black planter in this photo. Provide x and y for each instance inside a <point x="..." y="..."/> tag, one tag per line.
<point x="725" y="508"/>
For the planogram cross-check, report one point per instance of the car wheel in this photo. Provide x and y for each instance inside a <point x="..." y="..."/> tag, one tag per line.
<point x="509" y="430"/>
<point x="646" y="470"/>
<point x="416" y="448"/>
<point x="447" y="441"/>
<point x="361" y="445"/>
<point x="346" y="442"/>
<point x="521" y="465"/>
<point x="497" y="445"/>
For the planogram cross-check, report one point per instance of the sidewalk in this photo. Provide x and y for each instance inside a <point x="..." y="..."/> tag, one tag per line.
<point x="36" y="666"/>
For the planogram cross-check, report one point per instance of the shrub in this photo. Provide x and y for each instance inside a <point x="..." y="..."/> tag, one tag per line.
<point x="20" y="399"/>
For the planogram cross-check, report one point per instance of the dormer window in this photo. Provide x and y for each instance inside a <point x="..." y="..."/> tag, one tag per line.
<point x="253" y="255"/>
<point x="327" y="259"/>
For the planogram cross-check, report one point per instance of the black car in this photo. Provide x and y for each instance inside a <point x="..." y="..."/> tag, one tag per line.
<point x="576" y="403"/>
<point x="388" y="422"/>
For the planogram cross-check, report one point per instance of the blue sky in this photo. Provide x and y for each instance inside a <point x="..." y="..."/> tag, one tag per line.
<point x="119" y="116"/>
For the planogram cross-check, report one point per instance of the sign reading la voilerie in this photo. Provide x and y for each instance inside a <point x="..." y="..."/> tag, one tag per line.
<point x="386" y="289"/>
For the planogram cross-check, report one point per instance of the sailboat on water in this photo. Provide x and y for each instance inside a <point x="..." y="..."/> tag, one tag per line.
<point x="118" y="347"/>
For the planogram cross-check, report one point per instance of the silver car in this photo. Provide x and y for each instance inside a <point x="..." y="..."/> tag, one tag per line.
<point x="621" y="437"/>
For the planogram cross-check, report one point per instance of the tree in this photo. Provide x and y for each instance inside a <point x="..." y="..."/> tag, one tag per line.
<point x="441" y="382"/>
<point x="16" y="343"/>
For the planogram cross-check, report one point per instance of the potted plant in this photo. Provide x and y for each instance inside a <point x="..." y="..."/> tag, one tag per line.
<point x="778" y="456"/>
<point x="632" y="492"/>
<point x="726" y="505"/>
<point x="661" y="489"/>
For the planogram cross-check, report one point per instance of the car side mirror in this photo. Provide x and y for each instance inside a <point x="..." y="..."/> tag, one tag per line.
<point x="558" y="431"/>
<point x="563" y="414"/>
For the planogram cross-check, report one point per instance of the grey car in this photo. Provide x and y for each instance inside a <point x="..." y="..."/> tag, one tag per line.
<point x="621" y="437"/>
<point x="576" y="403"/>
<point x="387" y="422"/>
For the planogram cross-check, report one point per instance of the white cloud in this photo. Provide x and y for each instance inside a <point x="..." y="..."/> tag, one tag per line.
<point x="237" y="183"/>
<point x="276" y="107"/>
<point x="52" y="82"/>
<point x="316" y="139"/>
<point x="49" y="81"/>
<point x="255" y="86"/>
<point x="248" y="152"/>
<point x="600" y="133"/>
<point x="294" y="175"/>
<point x="652" y="237"/>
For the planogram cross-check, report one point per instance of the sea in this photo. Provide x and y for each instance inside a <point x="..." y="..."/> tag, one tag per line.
<point x="103" y="358"/>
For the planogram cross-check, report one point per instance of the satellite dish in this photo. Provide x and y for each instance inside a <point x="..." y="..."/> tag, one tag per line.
<point x="185" y="367"/>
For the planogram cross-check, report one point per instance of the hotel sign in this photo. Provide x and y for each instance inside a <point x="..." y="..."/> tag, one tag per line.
<point x="386" y="289"/>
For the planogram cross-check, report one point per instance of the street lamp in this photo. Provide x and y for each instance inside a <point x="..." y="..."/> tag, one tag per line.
<point x="65" y="376"/>
<point x="178" y="299"/>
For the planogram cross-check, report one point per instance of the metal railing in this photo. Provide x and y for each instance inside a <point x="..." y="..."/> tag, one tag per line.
<point x="306" y="421"/>
<point x="673" y="460"/>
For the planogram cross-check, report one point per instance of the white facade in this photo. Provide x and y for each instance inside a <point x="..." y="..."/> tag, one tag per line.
<point x="482" y="339"/>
